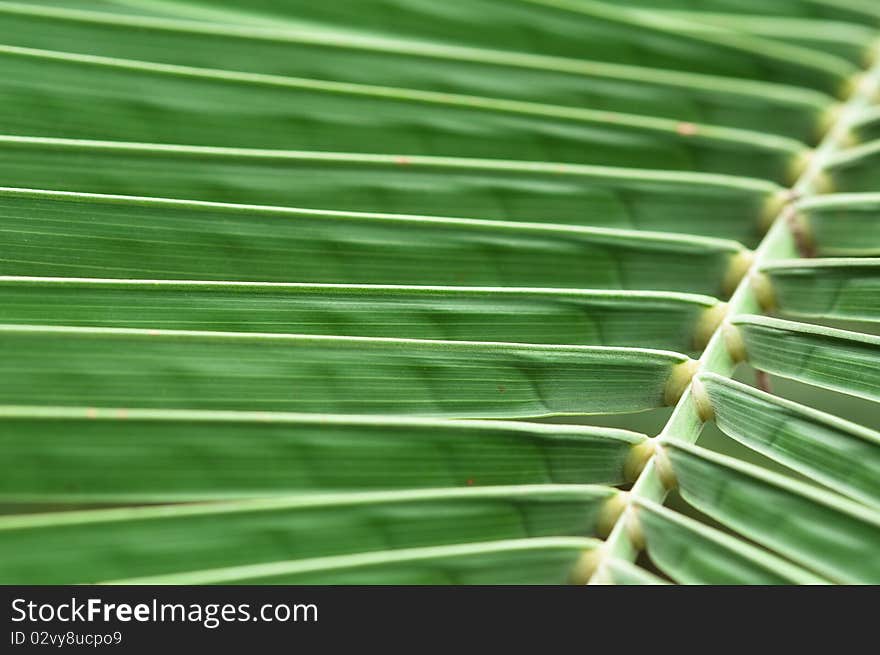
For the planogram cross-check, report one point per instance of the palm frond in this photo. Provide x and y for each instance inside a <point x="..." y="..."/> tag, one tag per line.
<point x="298" y="293"/>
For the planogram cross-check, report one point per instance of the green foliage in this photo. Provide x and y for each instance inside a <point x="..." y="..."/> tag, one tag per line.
<point x="370" y="292"/>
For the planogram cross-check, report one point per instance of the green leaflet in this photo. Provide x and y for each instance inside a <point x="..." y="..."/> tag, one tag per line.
<point x="834" y="359"/>
<point x="867" y="128"/>
<point x="858" y="11"/>
<point x="835" y="537"/>
<point x="693" y="553"/>
<point x="839" y="454"/>
<point x="846" y="40"/>
<point x="431" y="65"/>
<point x="666" y="321"/>
<point x="812" y="69"/>
<point x="109" y="367"/>
<point x="853" y="171"/>
<point x="621" y="572"/>
<point x="81" y="235"/>
<point x="570" y="28"/>
<point x="88" y="546"/>
<point x="548" y="560"/>
<point x="78" y="455"/>
<point x="102" y="98"/>
<point x="841" y="225"/>
<point x="335" y="225"/>
<point x="467" y="188"/>
<point x="845" y="288"/>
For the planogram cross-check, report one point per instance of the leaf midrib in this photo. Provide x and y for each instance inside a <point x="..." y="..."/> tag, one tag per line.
<point x="684" y="425"/>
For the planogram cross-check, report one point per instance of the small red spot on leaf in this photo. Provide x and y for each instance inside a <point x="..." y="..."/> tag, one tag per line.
<point x="686" y="129"/>
<point x="470" y="482"/>
<point x="403" y="160"/>
<point x="501" y="388"/>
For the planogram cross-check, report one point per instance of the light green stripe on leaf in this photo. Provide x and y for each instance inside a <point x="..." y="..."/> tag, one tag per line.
<point x="825" y="357"/>
<point x="835" y="537"/>
<point x="93" y="545"/>
<point x="840" y="454"/>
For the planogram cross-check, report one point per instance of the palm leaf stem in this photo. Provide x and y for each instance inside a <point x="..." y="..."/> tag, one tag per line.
<point x="685" y="423"/>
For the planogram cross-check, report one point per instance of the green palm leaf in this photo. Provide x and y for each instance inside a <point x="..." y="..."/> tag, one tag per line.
<point x="148" y="238"/>
<point x="346" y="56"/>
<point x="621" y="572"/>
<point x="651" y="319"/>
<point x="819" y="530"/>
<point x="324" y="293"/>
<point x="693" y="553"/>
<point x="71" y="455"/>
<point x="835" y="359"/>
<point x="518" y="562"/>
<point x="854" y="170"/>
<point x="487" y="189"/>
<point x="839" y="225"/>
<point x="118" y="367"/>
<point x="840" y="454"/>
<point x="843" y="288"/>
<point x="575" y="28"/>
<point x="148" y="541"/>
<point x="337" y="116"/>
<point x="863" y="11"/>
